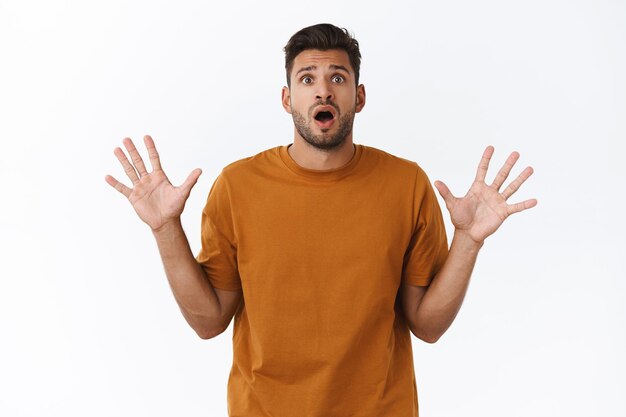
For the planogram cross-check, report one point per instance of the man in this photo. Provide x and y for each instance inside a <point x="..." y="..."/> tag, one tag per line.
<point x="327" y="253"/>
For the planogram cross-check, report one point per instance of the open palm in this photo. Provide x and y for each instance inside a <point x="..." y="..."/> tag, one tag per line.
<point x="153" y="196"/>
<point x="484" y="208"/>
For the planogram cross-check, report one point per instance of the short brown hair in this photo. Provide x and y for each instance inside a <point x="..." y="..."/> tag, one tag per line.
<point x="323" y="36"/>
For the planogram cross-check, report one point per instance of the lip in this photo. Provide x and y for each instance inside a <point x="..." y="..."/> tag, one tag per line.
<point x="324" y="125"/>
<point x="328" y="123"/>
<point x="329" y="109"/>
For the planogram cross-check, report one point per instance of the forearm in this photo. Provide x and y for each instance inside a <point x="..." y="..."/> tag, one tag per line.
<point x="444" y="296"/>
<point x="192" y="290"/>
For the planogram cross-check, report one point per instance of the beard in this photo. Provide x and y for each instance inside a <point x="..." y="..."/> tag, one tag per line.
<point x="324" y="141"/>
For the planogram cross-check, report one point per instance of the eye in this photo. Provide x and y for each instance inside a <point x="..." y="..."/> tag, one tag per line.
<point x="306" y="80"/>
<point x="338" y="79"/>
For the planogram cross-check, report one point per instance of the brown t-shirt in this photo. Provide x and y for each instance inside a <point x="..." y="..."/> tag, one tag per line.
<point x="320" y="256"/>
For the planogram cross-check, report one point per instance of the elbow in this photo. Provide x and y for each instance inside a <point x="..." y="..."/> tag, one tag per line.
<point x="205" y="335"/>
<point x="208" y="333"/>
<point x="430" y="339"/>
<point x="425" y="336"/>
<point x="205" y="328"/>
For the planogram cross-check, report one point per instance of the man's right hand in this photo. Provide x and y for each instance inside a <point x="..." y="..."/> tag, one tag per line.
<point x="154" y="198"/>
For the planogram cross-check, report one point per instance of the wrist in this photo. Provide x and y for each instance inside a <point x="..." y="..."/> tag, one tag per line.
<point x="464" y="240"/>
<point x="167" y="227"/>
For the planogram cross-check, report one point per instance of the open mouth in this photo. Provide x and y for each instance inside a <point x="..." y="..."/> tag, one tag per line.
<point x="324" y="117"/>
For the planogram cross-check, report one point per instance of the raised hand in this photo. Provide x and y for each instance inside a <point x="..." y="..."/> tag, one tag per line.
<point x="153" y="196"/>
<point x="484" y="208"/>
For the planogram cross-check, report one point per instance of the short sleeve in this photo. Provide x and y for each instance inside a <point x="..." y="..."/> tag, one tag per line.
<point x="218" y="254"/>
<point x="428" y="248"/>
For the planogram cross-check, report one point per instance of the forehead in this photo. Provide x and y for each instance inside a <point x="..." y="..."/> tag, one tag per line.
<point x="321" y="59"/>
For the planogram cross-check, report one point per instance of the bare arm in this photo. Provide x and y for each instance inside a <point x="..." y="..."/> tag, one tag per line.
<point x="431" y="310"/>
<point x="208" y="310"/>
<point x="159" y="204"/>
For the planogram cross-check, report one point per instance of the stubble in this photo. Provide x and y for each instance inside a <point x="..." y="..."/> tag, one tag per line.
<point x="324" y="141"/>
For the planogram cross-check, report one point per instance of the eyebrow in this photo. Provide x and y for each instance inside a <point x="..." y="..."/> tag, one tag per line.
<point x="332" y="67"/>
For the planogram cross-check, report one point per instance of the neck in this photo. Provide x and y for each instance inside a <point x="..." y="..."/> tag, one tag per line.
<point x="310" y="157"/>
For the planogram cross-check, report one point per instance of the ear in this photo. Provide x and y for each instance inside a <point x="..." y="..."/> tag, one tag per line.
<point x="286" y="99"/>
<point x="360" y="98"/>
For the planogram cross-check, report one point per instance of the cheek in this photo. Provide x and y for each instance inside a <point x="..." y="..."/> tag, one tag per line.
<point x="296" y="98"/>
<point x="298" y="105"/>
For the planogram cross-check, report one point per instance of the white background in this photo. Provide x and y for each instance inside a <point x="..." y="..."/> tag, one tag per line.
<point x="88" y="325"/>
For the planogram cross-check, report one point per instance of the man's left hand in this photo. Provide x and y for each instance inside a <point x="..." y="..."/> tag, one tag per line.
<point x="484" y="208"/>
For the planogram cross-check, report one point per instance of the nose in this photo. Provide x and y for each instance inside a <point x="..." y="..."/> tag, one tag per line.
<point x="324" y="92"/>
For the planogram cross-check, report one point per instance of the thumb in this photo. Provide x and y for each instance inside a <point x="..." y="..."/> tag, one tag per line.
<point x="444" y="191"/>
<point x="191" y="181"/>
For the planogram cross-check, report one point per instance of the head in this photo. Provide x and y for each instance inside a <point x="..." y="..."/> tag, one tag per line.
<point x="323" y="36"/>
<point x="323" y="92"/>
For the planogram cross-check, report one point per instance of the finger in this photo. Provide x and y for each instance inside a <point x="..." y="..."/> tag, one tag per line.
<point x="191" y="181"/>
<point x="128" y="168"/>
<point x="135" y="157"/>
<point x="118" y="185"/>
<point x="516" y="184"/>
<point x="483" y="165"/>
<point x="505" y="170"/>
<point x="445" y="192"/>
<point x="152" y="153"/>
<point x="524" y="205"/>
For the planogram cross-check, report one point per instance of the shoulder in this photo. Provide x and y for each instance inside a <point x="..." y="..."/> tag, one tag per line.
<point x="408" y="172"/>
<point x="395" y="163"/>
<point x="250" y="164"/>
